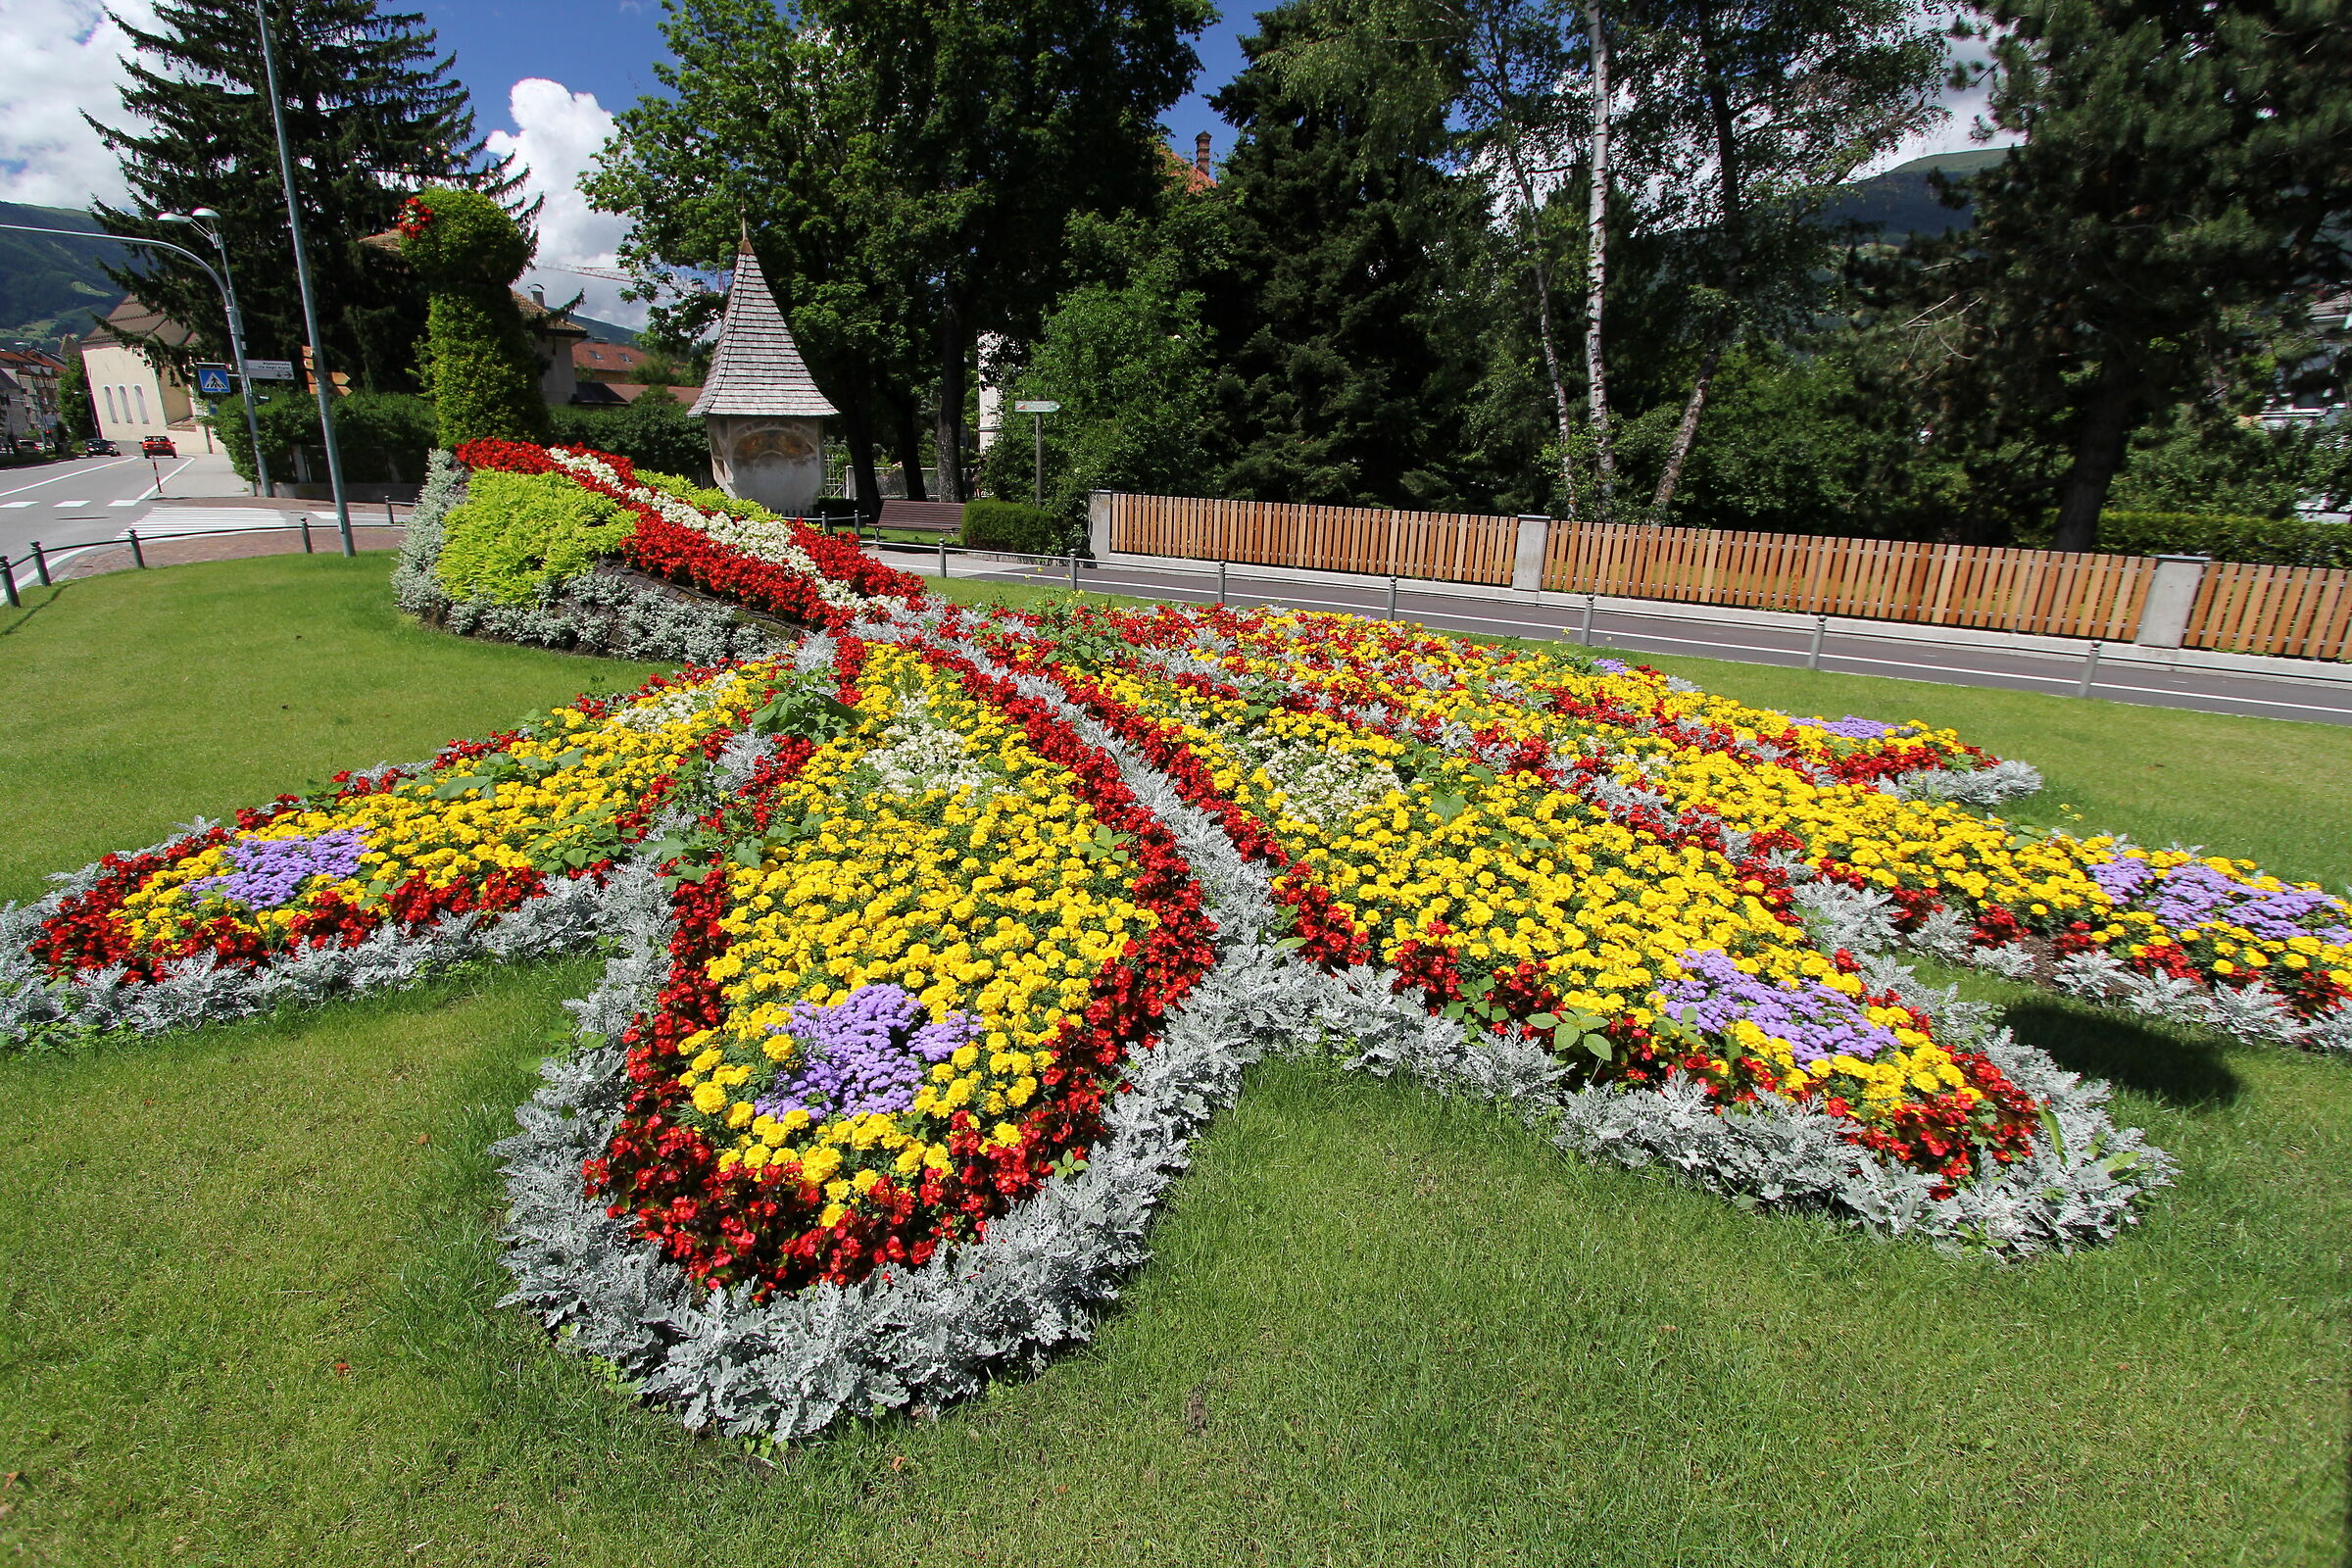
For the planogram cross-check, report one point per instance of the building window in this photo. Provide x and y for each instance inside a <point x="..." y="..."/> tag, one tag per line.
<point x="110" y="405"/>
<point x="142" y="392"/>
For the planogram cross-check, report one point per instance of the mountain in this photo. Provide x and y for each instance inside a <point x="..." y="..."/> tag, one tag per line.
<point x="49" y="285"/>
<point x="605" y="331"/>
<point x="1901" y="202"/>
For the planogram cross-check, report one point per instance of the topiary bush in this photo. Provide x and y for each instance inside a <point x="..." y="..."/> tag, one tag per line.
<point x="520" y="533"/>
<point x="480" y="366"/>
<point x="1010" y="526"/>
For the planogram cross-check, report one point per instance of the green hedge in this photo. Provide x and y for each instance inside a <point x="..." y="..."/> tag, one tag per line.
<point x="383" y="437"/>
<point x="1010" y="526"/>
<point x="654" y="432"/>
<point x="2263" y="541"/>
<point x="517" y="532"/>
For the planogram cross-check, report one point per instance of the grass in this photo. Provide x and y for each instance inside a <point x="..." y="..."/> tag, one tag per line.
<point x="251" y="1285"/>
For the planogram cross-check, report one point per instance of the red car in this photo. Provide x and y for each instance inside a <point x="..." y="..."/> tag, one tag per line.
<point x="158" y="445"/>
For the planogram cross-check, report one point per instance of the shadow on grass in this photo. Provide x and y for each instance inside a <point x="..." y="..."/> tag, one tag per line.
<point x="2186" y="1070"/>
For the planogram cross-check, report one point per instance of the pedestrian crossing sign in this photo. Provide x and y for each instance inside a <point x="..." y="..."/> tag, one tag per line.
<point x="211" y="380"/>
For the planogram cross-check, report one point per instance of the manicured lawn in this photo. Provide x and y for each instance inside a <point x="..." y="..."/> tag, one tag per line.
<point x="251" y="1280"/>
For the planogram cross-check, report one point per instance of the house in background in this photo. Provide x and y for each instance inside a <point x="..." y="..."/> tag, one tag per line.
<point x="599" y="366"/>
<point x="28" y="406"/>
<point x="131" y="397"/>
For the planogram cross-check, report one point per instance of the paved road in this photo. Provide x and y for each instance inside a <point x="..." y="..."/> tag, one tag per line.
<point x="83" y="499"/>
<point x="1672" y="629"/>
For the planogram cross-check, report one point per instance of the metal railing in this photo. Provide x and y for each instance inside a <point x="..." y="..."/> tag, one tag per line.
<point x="44" y="563"/>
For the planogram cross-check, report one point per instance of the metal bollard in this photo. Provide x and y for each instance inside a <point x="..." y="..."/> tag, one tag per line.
<point x="40" y="565"/>
<point x="1073" y="571"/>
<point x="1391" y="599"/>
<point x="2090" y="671"/>
<point x="1821" y="624"/>
<point x="1220" y="582"/>
<point x="943" y="554"/>
<point x="138" y="557"/>
<point x="1589" y="601"/>
<point x="8" y="584"/>
<point x="306" y="533"/>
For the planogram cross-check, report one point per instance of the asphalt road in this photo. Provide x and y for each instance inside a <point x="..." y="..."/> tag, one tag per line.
<point x="1669" y="629"/>
<point x="86" y="500"/>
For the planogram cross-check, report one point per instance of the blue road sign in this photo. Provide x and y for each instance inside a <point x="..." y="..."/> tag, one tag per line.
<point x="212" y="380"/>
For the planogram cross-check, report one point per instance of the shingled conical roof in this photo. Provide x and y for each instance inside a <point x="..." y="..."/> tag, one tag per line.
<point x="758" y="368"/>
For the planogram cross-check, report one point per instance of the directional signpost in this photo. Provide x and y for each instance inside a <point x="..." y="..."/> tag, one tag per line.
<point x="1037" y="410"/>
<point x="270" y="370"/>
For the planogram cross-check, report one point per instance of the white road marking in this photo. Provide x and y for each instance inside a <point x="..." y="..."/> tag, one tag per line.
<point x="156" y="489"/>
<point x="130" y="503"/>
<point x="68" y="503"/>
<point x="12" y="504"/>
<point x="72" y="473"/>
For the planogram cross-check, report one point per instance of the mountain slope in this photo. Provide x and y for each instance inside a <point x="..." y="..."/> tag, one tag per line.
<point x="1901" y="202"/>
<point x="49" y="285"/>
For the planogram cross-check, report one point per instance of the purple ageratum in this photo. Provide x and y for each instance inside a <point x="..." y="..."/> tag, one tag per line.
<point x="1854" y="730"/>
<point x="2195" y="893"/>
<point x="1612" y="667"/>
<point x="271" y="872"/>
<point x="1816" y="1021"/>
<point x="868" y="1051"/>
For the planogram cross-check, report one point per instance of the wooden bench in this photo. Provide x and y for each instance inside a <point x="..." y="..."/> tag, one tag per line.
<point x="922" y="517"/>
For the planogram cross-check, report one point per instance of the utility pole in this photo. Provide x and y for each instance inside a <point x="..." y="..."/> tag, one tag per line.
<point x="236" y="335"/>
<point x="321" y="385"/>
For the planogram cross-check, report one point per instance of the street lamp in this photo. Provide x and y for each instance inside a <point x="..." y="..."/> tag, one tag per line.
<point x="321" y="384"/>
<point x="228" y="301"/>
<point x="236" y="331"/>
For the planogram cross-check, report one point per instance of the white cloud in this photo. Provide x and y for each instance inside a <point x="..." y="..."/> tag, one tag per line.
<point x="558" y="133"/>
<point x="1956" y="130"/>
<point x="62" y="56"/>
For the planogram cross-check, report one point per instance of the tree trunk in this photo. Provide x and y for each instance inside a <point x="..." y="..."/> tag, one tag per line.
<point x="910" y="448"/>
<point x="1686" y="432"/>
<point x="1596" y="262"/>
<point x="954" y="354"/>
<point x="1563" y="409"/>
<point x="859" y="431"/>
<point x="2098" y="453"/>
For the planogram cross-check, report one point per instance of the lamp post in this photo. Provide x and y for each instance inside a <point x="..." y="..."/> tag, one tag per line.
<point x="321" y="385"/>
<point x="236" y="333"/>
<point x="229" y="303"/>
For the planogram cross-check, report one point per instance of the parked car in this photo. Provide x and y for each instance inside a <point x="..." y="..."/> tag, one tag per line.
<point x="158" y="445"/>
<point x="99" y="446"/>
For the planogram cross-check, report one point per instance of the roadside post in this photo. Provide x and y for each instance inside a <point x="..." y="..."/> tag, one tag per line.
<point x="1037" y="410"/>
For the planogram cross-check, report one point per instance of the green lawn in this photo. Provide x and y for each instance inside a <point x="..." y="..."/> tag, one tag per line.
<point x="250" y="1283"/>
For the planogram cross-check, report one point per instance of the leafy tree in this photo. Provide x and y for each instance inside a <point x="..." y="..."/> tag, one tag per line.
<point x="373" y="113"/>
<point x="75" y="416"/>
<point x="1762" y="111"/>
<point x="1129" y="358"/>
<point x="906" y="169"/>
<point x="2187" y="172"/>
<point x="1347" y="241"/>
<point x="480" y="368"/>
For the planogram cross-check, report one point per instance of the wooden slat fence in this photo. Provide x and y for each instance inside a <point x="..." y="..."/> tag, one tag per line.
<point x="1444" y="546"/>
<point x="2298" y="611"/>
<point x="2055" y="593"/>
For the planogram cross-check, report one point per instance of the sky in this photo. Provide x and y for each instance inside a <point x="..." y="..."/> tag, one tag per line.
<point x="546" y="78"/>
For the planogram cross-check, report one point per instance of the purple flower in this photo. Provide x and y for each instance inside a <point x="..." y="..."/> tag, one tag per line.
<point x="868" y="1051"/>
<point x="271" y="872"/>
<point x="1816" y="1021"/>
<point x="1612" y="667"/>
<point x="2195" y="893"/>
<point x="1855" y="729"/>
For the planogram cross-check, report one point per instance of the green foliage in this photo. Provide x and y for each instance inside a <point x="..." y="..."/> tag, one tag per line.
<point x="383" y="436"/>
<point x="708" y="497"/>
<point x="2265" y="541"/>
<point x="480" y="367"/>
<point x="1012" y="527"/>
<point x="2199" y="459"/>
<point x="520" y="533"/>
<point x="373" y="109"/>
<point x="654" y="432"/>
<point x="75" y="416"/>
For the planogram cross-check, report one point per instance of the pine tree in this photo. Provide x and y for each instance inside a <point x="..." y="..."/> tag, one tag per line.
<point x="2186" y="172"/>
<point x="1346" y="235"/>
<point x="372" y="115"/>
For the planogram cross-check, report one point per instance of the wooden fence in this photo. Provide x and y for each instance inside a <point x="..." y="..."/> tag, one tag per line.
<point x="2299" y="611"/>
<point x="2051" y="592"/>
<point x="1444" y="546"/>
<point x="2295" y="611"/>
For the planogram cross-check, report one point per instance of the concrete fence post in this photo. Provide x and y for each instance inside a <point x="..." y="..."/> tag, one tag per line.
<point x="1097" y="523"/>
<point x="1527" y="560"/>
<point x="2172" y="595"/>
